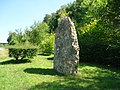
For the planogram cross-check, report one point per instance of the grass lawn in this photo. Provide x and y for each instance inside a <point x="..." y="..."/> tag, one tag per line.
<point x="38" y="74"/>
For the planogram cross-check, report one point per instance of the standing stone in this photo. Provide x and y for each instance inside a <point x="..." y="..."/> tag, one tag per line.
<point x="66" y="52"/>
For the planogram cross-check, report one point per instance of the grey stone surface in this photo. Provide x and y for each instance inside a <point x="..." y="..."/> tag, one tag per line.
<point x="66" y="51"/>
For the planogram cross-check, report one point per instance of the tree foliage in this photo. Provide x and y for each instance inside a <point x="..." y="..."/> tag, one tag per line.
<point x="47" y="46"/>
<point x="38" y="33"/>
<point x="97" y="24"/>
<point x="52" y="21"/>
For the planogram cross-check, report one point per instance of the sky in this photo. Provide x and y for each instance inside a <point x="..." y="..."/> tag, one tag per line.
<point x="16" y="14"/>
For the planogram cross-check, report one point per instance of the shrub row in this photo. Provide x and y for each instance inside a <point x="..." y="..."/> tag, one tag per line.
<point x="22" y="52"/>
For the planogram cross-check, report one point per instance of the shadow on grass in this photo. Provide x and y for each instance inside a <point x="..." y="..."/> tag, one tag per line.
<point x="91" y="77"/>
<point x="56" y="85"/>
<point x="50" y="58"/>
<point x="12" y="61"/>
<point x="41" y="71"/>
<point x="84" y="64"/>
<point x="44" y="54"/>
<point x="99" y="83"/>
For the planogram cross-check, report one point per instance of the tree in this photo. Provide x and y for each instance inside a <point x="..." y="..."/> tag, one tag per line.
<point x="52" y="21"/>
<point x="38" y="33"/>
<point x="12" y="38"/>
<point x="15" y="37"/>
<point x="112" y="15"/>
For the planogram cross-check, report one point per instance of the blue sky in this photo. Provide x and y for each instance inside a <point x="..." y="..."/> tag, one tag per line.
<point x="16" y="14"/>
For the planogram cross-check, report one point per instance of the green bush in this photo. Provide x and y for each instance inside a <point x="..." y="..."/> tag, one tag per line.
<point x="22" y="52"/>
<point x="100" y="45"/>
<point x="47" y="46"/>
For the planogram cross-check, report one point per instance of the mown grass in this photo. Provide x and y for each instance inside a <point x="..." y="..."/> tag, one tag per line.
<point x="38" y="74"/>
